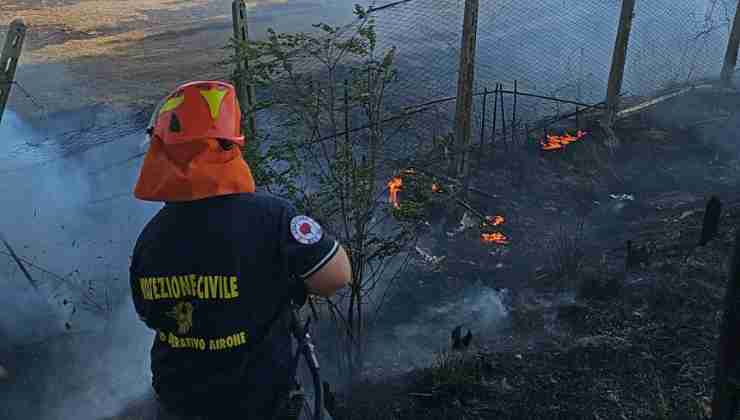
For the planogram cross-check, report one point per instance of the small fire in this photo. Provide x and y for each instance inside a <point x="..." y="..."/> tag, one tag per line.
<point x="558" y="142"/>
<point x="495" y="237"/>
<point x="394" y="186"/>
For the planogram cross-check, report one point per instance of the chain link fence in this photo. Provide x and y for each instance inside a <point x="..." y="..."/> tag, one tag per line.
<point x="551" y="48"/>
<point x="675" y="43"/>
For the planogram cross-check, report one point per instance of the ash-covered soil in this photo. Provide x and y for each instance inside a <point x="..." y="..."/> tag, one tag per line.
<point x="587" y="336"/>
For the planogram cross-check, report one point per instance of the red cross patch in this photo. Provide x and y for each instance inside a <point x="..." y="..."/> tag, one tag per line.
<point x="305" y="230"/>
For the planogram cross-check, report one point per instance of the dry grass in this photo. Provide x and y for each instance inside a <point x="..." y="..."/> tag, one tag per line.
<point x="94" y="20"/>
<point x="567" y="254"/>
<point x="114" y="50"/>
<point x="106" y="13"/>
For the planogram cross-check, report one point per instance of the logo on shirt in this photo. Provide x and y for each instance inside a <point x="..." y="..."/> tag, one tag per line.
<point x="183" y="314"/>
<point x="305" y="230"/>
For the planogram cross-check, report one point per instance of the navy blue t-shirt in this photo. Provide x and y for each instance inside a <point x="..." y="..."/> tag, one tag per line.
<point x="208" y="276"/>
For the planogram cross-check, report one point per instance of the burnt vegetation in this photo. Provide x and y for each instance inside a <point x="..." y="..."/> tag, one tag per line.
<point x="617" y="271"/>
<point x="610" y="259"/>
<point x="607" y="245"/>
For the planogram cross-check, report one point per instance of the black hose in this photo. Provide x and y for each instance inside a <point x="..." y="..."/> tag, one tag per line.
<point x="306" y="349"/>
<point x="318" y="399"/>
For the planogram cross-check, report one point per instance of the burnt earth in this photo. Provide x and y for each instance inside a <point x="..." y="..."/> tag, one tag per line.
<point x="633" y="342"/>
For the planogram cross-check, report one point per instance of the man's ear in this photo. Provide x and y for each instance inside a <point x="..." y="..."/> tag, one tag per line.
<point x="225" y="144"/>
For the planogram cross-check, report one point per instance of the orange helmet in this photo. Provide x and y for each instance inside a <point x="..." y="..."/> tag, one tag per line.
<point x="190" y="137"/>
<point x="199" y="111"/>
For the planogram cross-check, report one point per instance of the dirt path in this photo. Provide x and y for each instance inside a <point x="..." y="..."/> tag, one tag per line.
<point x="84" y="52"/>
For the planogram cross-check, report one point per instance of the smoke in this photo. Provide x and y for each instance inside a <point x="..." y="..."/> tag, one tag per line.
<point x="102" y="385"/>
<point x="413" y="344"/>
<point x="74" y="347"/>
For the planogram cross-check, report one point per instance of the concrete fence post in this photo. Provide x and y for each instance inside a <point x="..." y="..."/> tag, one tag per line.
<point x="9" y="60"/>
<point x="733" y="44"/>
<point x="465" y="83"/>
<point x="245" y="91"/>
<point x="619" y="58"/>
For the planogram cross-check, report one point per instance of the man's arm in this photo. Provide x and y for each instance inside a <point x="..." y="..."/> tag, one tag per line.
<point x="312" y="255"/>
<point x="335" y="275"/>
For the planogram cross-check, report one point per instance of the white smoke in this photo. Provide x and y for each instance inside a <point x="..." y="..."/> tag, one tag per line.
<point x="413" y="344"/>
<point x="74" y="347"/>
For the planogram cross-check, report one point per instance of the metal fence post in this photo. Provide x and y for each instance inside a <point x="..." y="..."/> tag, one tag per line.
<point x="619" y="58"/>
<point x="725" y="402"/>
<point x="513" y="114"/>
<point x="245" y="91"/>
<point x="9" y="60"/>
<point x="495" y="116"/>
<point x="466" y="78"/>
<point x="503" y="115"/>
<point x="482" y="128"/>
<point x="732" y="48"/>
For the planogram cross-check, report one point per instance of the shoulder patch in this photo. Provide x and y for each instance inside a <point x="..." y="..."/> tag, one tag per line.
<point x="305" y="230"/>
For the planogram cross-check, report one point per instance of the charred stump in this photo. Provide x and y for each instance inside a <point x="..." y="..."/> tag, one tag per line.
<point x="710" y="227"/>
<point x="458" y="341"/>
<point x="727" y="370"/>
<point x="636" y="255"/>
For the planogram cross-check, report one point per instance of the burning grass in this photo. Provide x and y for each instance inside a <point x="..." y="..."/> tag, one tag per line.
<point x="636" y="342"/>
<point x="495" y="237"/>
<point x="629" y="355"/>
<point x="394" y="187"/>
<point x="554" y="142"/>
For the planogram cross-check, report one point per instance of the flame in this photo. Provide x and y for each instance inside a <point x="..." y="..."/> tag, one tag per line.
<point x="495" y="237"/>
<point x="559" y="142"/>
<point x="394" y="186"/>
<point x="495" y="220"/>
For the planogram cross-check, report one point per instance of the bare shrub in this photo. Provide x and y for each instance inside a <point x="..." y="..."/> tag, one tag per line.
<point x="457" y="369"/>
<point x="567" y="253"/>
<point x="599" y="283"/>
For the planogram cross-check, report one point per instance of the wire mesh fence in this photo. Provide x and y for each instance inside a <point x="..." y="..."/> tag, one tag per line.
<point x="426" y="35"/>
<point x="542" y="49"/>
<point x="674" y="43"/>
<point x="551" y="48"/>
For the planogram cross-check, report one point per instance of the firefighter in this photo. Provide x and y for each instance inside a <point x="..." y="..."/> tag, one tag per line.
<point x="217" y="270"/>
